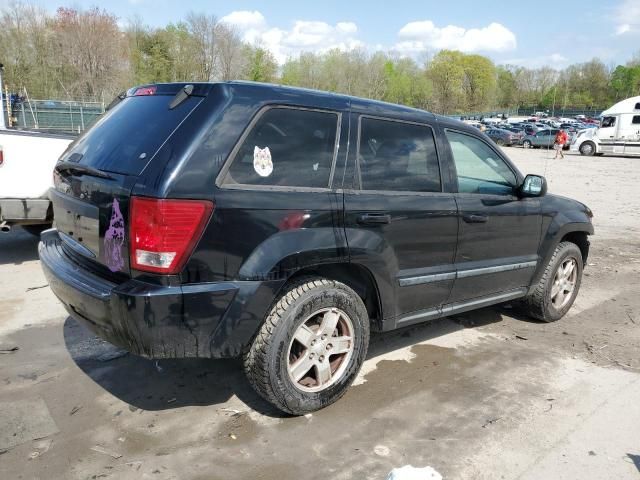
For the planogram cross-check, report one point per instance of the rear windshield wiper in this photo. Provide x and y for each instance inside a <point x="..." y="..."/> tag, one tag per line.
<point x="78" y="168"/>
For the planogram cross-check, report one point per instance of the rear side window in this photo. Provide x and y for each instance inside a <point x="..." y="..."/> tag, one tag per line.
<point x="129" y="134"/>
<point x="397" y="156"/>
<point x="287" y="147"/>
<point x="635" y="119"/>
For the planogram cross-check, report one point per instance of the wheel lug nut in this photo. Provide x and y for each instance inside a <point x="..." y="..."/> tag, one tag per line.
<point x="311" y="355"/>
<point x="329" y="346"/>
<point x="313" y="342"/>
<point x="323" y="337"/>
<point x="321" y="358"/>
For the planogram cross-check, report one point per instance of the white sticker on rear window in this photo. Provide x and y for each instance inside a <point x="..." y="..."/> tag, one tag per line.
<point x="262" y="163"/>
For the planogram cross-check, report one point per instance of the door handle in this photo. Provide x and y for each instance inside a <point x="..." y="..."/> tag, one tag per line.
<point x="475" y="218"/>
<point x="374" y="218"/>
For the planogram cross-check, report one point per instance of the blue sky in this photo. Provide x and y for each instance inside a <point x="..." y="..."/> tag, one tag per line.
<point x="527" y="32"/>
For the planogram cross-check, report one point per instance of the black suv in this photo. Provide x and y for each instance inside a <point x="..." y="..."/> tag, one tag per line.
<point x="283" y="225"/>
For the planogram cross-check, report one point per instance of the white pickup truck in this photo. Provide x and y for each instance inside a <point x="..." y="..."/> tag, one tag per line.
<point x="26" y="173"/>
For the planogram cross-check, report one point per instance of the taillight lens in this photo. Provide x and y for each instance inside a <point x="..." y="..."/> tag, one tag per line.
<point x="145" y="91"/>
<point x="164" y="232"/>
<point x="1" y="156"/>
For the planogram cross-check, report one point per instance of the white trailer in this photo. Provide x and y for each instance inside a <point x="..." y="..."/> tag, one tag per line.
<point x="26" y="174"/>
<point x="618" y="134"/>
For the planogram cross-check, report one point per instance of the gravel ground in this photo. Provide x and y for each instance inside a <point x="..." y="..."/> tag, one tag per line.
<point x="484" y="395"/>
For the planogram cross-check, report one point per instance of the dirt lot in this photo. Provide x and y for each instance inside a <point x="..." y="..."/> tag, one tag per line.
<point x="482" y="396"/>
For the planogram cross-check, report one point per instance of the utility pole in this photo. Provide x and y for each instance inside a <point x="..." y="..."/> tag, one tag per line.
<point x="3" y="125"/>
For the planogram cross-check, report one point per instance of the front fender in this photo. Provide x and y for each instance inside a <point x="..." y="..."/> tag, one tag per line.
<point x="557" y="223"/>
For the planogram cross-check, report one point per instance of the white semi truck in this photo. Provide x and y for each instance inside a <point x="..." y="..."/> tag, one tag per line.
<point x="618" y="134"/>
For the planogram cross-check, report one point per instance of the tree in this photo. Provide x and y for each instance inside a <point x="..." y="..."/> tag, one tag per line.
<point x="479" y="82"/>
<point x="261" y="64"/>
<point x="202" y="29"/>
<point x="506" y="88"/>
<point x="91" y="49"/>
<point x="446" y="72"/>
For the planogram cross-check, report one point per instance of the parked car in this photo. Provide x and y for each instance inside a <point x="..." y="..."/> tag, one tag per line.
<point x="503" y="137"/>
<point x="529" y="129"/>
<point x="284" y="225"/>
<point x="545" y="139"/>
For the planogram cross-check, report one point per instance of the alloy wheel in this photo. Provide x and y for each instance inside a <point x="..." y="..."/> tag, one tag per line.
<point x="564" y="283"/>
<point x="320" y="350"/>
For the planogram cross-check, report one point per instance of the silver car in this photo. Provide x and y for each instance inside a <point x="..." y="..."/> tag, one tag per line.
<point x="545" y="139"/>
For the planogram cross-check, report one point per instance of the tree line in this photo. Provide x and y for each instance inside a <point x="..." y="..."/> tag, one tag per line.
<point x="85" y="54"/>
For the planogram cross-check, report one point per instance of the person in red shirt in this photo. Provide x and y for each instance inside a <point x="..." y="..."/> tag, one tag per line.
<point x="559" y="143"/>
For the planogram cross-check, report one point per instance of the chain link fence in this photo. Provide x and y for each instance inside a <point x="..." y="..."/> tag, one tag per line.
<point x="55" y="116"/>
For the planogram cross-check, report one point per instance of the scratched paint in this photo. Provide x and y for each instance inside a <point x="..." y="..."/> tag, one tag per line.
<point x="114" y="239"/>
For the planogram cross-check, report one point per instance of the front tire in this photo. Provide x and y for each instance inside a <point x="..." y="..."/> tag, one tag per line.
<point x="527" y="144"/>
<point x="588" y="149"/>
<point x="310" y="347"/>
<point x="558" y="287"/>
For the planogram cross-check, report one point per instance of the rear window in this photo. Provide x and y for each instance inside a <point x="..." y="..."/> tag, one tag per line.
<point x="287" y="147"/>
<point x="127" y="136"/>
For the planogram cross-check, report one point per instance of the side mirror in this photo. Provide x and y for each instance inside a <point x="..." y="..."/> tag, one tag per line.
<point x="533" y="186"/>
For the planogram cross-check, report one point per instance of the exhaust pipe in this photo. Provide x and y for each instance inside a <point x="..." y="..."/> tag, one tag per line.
<point x="5" y="227"/>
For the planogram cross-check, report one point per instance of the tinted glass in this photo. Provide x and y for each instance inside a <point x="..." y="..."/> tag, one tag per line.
<point x="289" y="148"/>
<point x="398" y="157"/>
<point x="129" y="134"/>
<point x="479" y="168"/>
<point x="636" y="119"/>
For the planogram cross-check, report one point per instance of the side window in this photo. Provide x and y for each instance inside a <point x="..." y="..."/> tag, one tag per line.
<point x="480" y="169"/>
<point x="397" y="156"/>
<point x="287" y="147"/>
<point x="608" y="122"/>
<point x="636" y="119"/>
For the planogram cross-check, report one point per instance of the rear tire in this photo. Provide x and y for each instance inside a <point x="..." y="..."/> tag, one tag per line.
<point x="290" y="362"/>
<point x="558" y="287"/>
<point x="527" y="144"/>
<point x="500" y="142"/>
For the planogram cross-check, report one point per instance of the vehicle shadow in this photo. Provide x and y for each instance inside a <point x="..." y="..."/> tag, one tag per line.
<point x="18" y="246"/>
<point x="172" y="383"/>
<point x="635" y="459"/>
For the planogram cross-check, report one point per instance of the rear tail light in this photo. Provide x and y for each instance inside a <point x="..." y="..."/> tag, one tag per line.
<point x="164" y="232"/>
<point x="145" y="91"/>
<point x="1" y="156"/>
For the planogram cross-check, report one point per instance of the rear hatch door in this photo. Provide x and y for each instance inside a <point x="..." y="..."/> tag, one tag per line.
<point x="94" y="178"/>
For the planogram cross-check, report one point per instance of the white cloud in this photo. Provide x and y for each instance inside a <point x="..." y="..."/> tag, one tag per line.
<point x="627" y="17"/>
<point x="303" y="36"/>
<point x="424" y="35"/>
<point x="555" y="60"/>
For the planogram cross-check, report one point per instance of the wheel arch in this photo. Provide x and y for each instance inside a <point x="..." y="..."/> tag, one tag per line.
<point x="577" y="233"/>
<point x="356" y="277"/>
<point x="581" y="239"/>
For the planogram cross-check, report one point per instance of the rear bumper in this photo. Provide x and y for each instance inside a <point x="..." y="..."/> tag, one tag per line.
<point x="214" y="320"/>
<point x="24" y="210"/>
